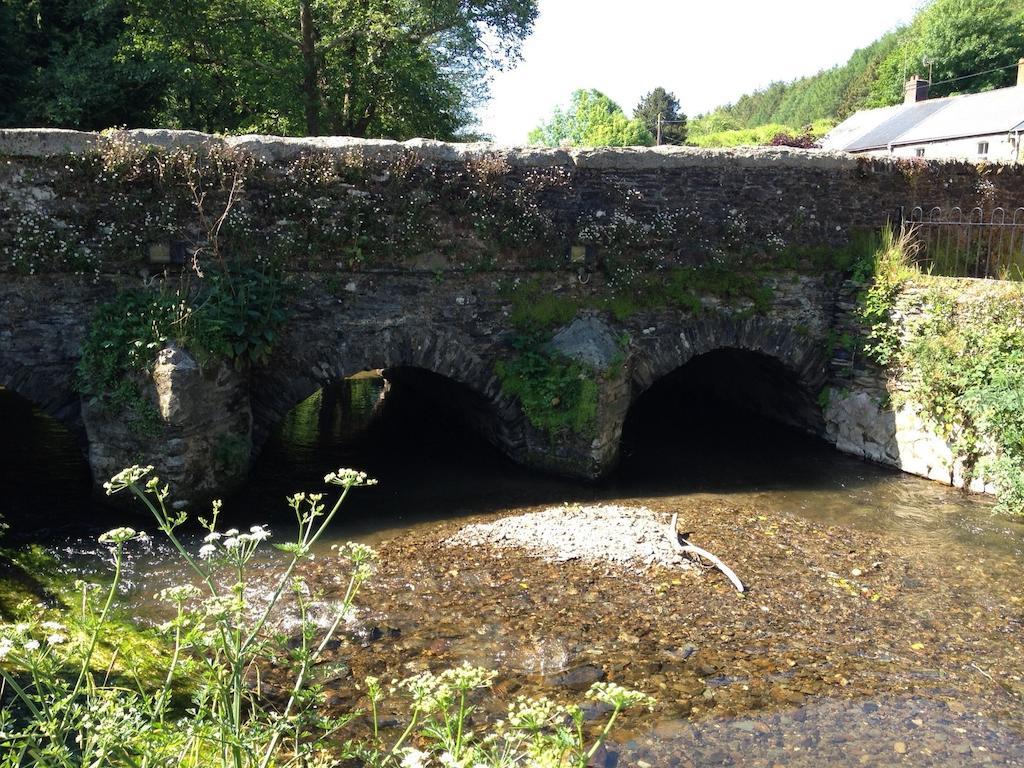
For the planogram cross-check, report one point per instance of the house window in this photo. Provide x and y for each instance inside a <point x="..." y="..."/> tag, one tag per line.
<point x="982" y="148"/>
<point x="919" y="152"/>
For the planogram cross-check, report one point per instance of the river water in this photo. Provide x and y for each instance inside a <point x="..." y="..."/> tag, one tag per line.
<point x="923" y="665"/>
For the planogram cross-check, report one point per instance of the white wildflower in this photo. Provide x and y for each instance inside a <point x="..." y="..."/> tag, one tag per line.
<point x="117" y="536"/>
<point x="179" y="593"/>
<point x="413" y="758"/>
<point x="125" y="478"/>
<point x="348" y="478"/>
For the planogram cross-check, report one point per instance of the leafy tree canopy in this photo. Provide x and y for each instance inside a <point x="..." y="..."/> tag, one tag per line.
<point x="959" y="41"/>
<point x="60" y="66"/>
<point x="663" y="104"/>
<point x="591" y="120"/>
<point x="395" y="68"/>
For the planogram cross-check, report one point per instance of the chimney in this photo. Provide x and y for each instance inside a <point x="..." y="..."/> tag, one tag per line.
<point x="1020" y="72"/>
<point x="915" y="90"/>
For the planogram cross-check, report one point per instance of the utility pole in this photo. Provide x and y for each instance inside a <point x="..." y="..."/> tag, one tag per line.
<point x="658" y="139"/>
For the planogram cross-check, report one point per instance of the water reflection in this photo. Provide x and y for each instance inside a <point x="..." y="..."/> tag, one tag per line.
<point x="430" y="468"/>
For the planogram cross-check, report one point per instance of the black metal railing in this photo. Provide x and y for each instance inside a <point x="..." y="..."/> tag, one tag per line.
<point x="973" y="244"/>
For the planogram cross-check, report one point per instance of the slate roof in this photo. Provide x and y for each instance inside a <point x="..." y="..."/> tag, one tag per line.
<point x="975" y="114"/>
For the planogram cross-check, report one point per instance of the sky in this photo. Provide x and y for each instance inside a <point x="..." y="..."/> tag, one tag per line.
<point x="708" y="53"/>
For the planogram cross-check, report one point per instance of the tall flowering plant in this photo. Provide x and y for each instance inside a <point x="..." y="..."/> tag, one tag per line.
<point x="58" y="709"/>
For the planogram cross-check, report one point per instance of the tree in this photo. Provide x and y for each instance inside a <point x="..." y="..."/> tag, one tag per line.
<point x="395" y="68"/>
<point x="591" y="120"/>
<point x="968" y="45"/>
<point x="663" y="104"/>
<point x="60" y="66"/>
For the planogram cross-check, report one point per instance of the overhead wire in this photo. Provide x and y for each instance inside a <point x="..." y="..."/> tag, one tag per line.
<point x="975" y="74"/>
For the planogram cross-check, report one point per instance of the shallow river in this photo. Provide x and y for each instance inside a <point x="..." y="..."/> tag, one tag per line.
<point x="918" y="661"/>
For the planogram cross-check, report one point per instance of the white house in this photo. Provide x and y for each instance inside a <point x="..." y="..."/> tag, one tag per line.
<point x="977" y="127"/>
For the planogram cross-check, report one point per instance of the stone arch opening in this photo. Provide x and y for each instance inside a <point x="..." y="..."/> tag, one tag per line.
<point x="425" y="436"/>
<point x="727" y="413"/>
<point x="377" y="419"/>
<point x="43" y="466"/>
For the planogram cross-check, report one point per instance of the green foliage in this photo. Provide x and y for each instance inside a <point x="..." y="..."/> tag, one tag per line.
<point x="58" y="711"/>
<point x="832" y="94"/>
<point x="235" y="317"/>
<point x="123" y="338"/>
<point x="32" y="581"/>
<point x="231" y="454"/>
<point x="683" y="287"/>
<point x="536" y="732"/>
<point x="759" y="135"/>
<point x="558" y="395"/>
<point x="232" y="318"/>
<point x="964" y="363"/>
<point x="886" y="271"/>
<point x="359" y="68"/>
<point x="536" y="309"/>
<point x="960" y="362"/>
<point x="591" y="120"/>
<point x="663" y="104"/>
<point x="224" y="207"/>
<point x="373" y="68"/>
<point x="61" y="66"/>
<point x="960" y="38"/>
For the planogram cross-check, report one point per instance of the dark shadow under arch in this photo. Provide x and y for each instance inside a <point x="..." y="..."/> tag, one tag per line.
<point x="43" y="465"/>
<point x="725" y="415"/>
<point x="742" y="379"/>
<point x="50" y="390"/>
<point x="309" y="361"/>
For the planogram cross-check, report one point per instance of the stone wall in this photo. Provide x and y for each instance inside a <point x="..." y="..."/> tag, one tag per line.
<point x="82" y="202"/>
<point x="870" y="412"/>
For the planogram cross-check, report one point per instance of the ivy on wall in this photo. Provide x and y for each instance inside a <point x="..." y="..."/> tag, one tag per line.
<point x="956" y="351"/>
<point x="963" y="363"/>
<point x="558" y="395"/>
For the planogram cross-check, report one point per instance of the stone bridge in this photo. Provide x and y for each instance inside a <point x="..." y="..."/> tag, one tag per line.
<point x="601" y="257"/>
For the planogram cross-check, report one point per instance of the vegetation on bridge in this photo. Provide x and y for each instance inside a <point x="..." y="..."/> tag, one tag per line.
<point x="956" y="351"/>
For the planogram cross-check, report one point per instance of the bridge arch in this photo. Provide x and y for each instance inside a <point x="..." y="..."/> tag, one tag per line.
<point x="422" y="356"/>
<point x="769" y="368"/>
<point x="49" y="389"/>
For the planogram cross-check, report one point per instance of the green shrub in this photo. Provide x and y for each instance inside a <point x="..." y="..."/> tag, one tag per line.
<point x="963" y="362"/>
<point x="886" y="271"/>
<point x="960" y="362"/>
<point x="557" y="394"/>
<point x="232" y="318"/>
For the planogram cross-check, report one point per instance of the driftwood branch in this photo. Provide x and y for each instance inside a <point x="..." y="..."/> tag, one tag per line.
<point x="686" y="548"/>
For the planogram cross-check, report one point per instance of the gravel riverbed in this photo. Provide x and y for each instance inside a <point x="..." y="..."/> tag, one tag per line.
<point x="849" y="648"/>
<point x="634" y="538"/>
